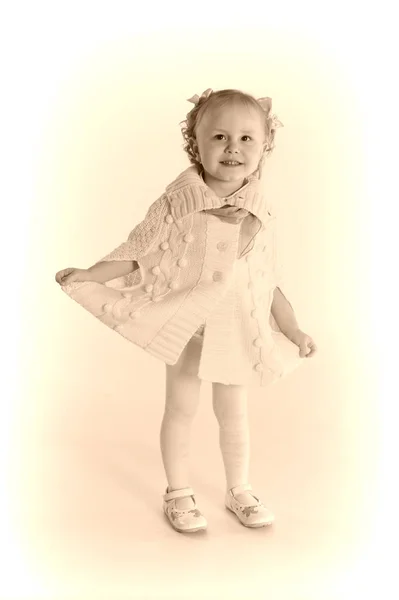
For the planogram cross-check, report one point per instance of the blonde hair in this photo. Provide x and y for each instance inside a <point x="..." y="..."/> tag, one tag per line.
<point x="218" y="100"/>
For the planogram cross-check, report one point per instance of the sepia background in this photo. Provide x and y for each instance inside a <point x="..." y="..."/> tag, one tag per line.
<point x="91" y="118"/>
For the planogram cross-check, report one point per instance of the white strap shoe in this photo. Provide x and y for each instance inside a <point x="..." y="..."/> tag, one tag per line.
<point x="188" y="520"/>
<point x="250" y="516"/>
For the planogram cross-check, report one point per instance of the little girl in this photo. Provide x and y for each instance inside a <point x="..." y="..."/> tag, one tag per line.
<point x="197" y="285"/>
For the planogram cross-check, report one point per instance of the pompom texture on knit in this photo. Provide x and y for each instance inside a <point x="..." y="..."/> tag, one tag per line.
<point x="143" y="235"/>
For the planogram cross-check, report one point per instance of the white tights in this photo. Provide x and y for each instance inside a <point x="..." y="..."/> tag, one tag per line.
<point x="181" y="403"/>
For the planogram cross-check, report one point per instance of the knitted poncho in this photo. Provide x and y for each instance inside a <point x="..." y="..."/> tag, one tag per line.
<point x="205" y="264"/>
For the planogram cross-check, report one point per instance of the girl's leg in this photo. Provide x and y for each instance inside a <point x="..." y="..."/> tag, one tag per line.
<point x="181" y="403"/>
<point x="231" y="410"/>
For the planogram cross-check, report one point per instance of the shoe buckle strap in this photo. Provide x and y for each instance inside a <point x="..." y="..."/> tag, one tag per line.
<point x="238" y="489"/>
<point x="183" y="493"/>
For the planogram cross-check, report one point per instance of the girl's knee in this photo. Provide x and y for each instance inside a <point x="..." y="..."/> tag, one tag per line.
<point x="182" y="395"/>
<point x="180" y="410"/>
<point x="230" y="407"/>
<point x="179" y="381"/>
<point x="232" y="420"/>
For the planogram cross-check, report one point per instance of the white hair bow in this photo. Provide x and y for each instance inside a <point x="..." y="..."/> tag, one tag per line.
<point x="266" y="104"/>
<point x="195" y="99"/>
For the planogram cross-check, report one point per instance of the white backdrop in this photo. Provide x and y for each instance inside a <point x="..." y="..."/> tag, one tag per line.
<point x="92" y="138"/>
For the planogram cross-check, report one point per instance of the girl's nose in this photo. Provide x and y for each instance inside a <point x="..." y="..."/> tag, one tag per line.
<point x="232" y="147"/>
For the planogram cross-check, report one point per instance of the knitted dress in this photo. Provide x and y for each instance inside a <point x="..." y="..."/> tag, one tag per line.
<point x="235" y="215"/>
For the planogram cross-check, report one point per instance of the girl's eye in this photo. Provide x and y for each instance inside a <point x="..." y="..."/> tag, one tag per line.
<point x="218" y="135"/>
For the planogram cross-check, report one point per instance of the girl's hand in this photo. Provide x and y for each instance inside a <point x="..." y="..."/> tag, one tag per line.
<point x="307" y="346"/>
<point x="68" y="275"/>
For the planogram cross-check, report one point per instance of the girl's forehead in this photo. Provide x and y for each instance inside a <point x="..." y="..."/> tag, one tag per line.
<point x="229" y="115"/>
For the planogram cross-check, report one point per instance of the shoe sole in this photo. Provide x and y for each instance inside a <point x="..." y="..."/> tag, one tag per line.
<point x="188" y="530"/>
<point x="254" y="525"/>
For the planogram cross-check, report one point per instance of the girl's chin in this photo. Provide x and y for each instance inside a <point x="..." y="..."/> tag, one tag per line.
<point x="225" y="171"/>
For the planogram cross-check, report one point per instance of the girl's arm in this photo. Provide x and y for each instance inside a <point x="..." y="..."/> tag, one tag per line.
<point x="283" y="313"/>
<point x="107" y="270"/>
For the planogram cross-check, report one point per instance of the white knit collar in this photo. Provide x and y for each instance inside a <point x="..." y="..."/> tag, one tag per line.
<point x="188" y="194"/>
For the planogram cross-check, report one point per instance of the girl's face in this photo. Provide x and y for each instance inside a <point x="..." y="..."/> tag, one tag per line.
<point x="234" y="133"/>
